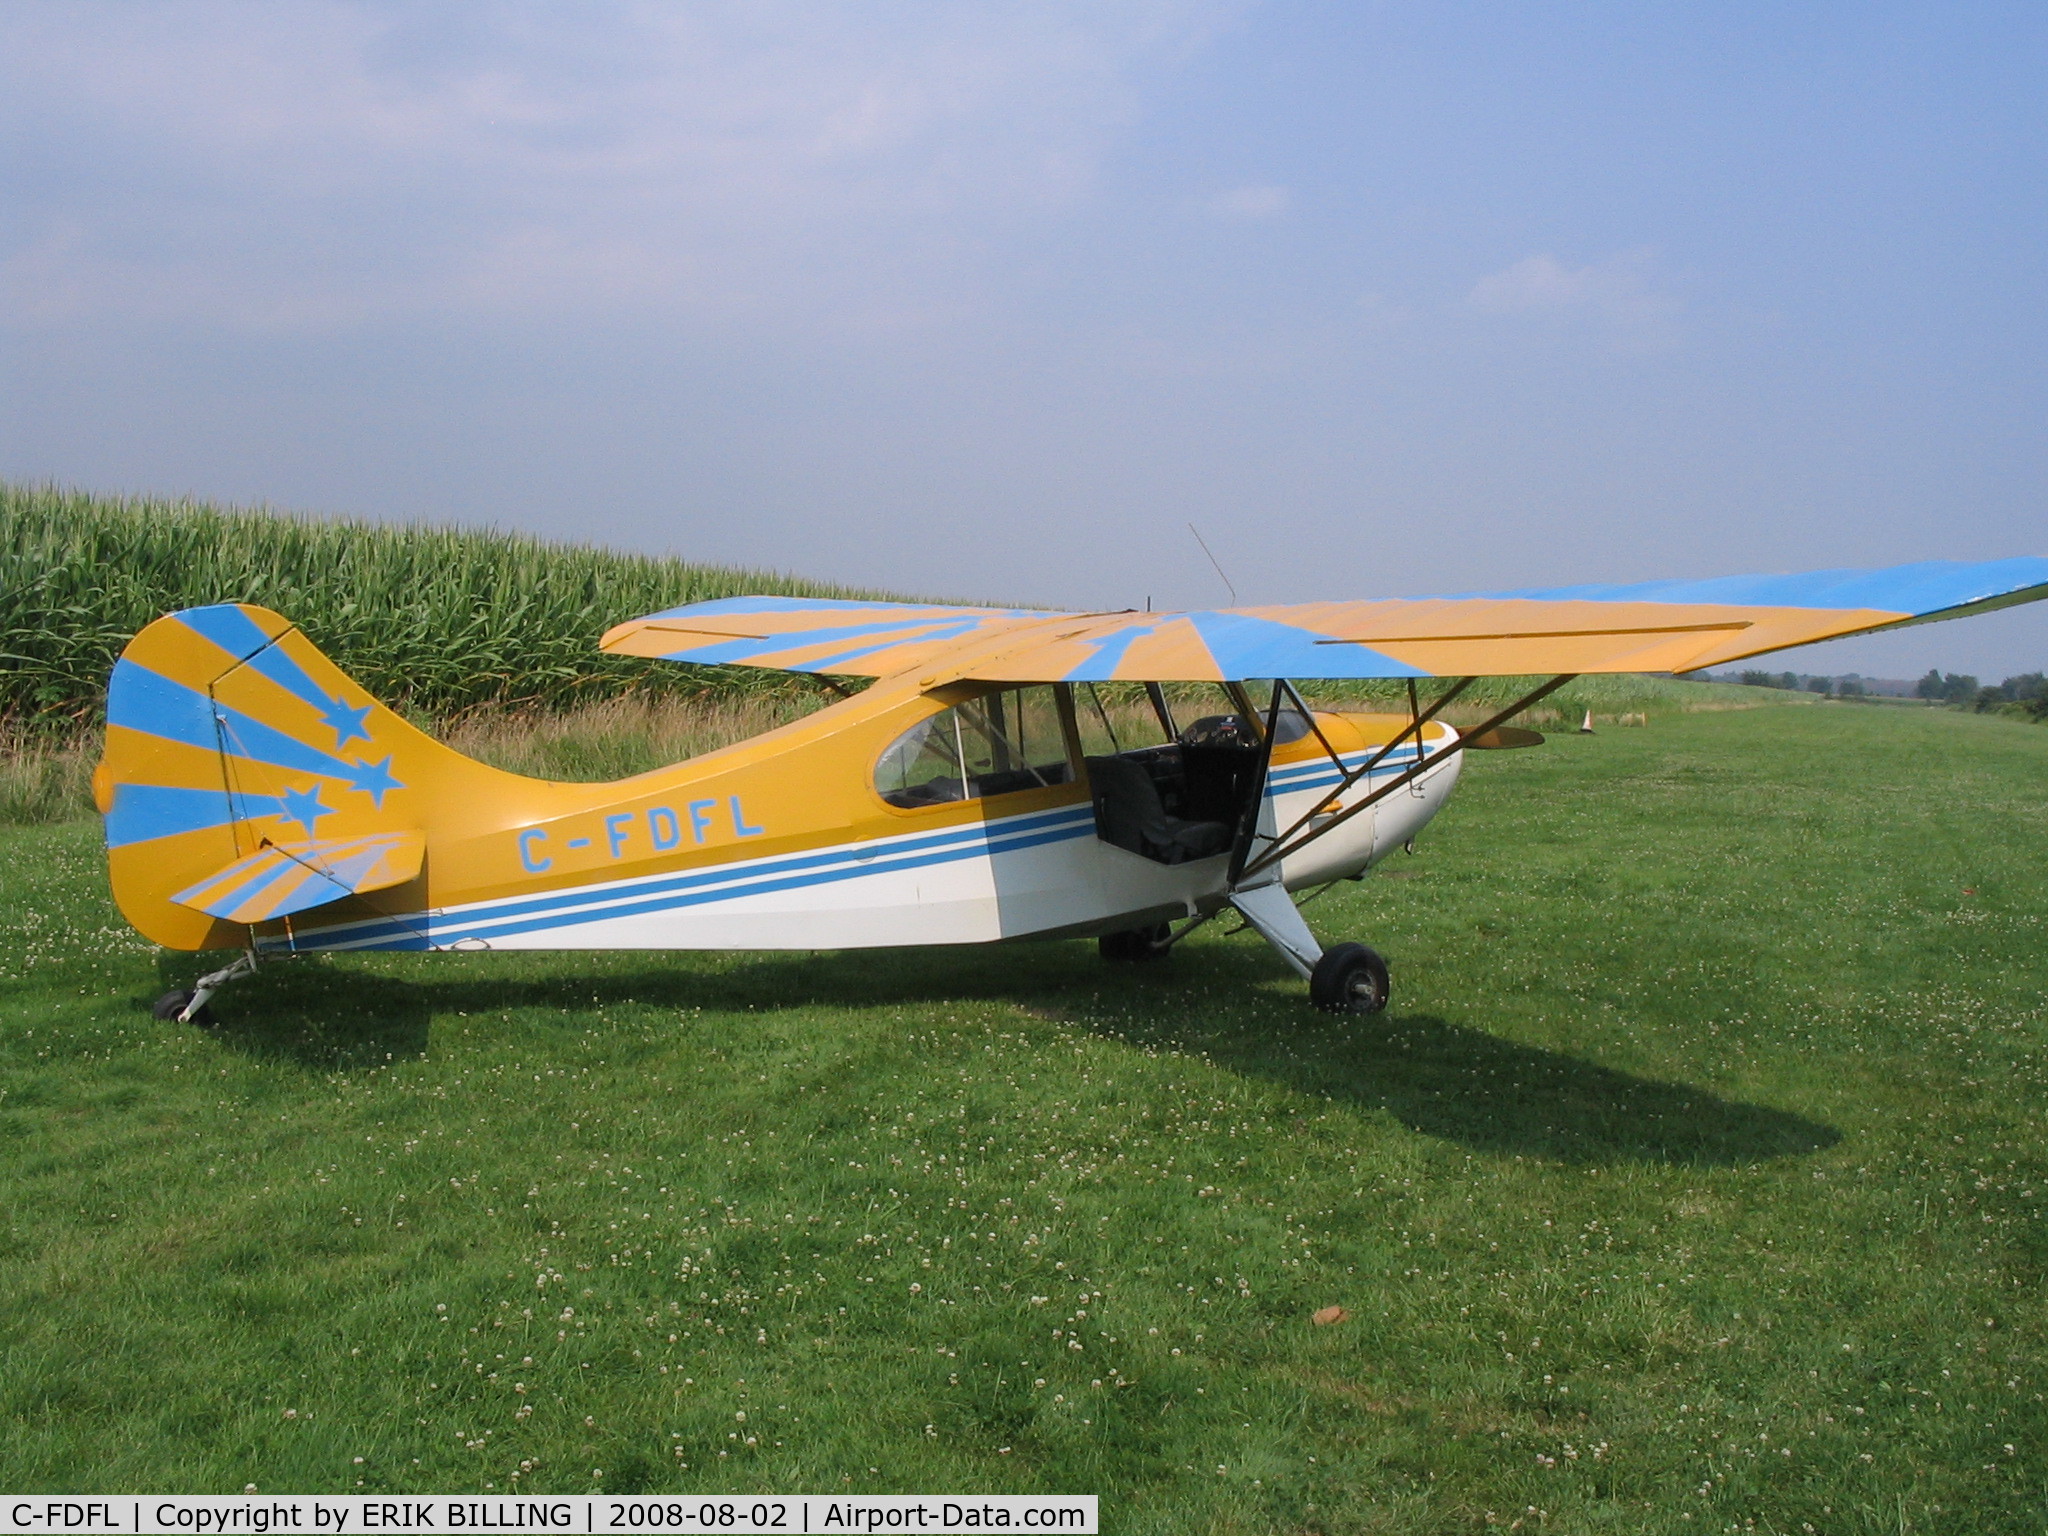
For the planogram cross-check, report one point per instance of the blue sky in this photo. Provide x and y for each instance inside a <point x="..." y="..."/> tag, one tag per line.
<point x="993" y="301"/>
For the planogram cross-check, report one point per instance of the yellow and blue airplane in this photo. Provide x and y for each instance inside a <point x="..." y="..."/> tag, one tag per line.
<point x="1010" y="773"/>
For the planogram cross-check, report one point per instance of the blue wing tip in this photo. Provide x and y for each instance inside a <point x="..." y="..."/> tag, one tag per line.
<point x="1917" y="589"/>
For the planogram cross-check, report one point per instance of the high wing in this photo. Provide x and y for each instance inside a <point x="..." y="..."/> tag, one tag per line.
<point x="1668" y="626"/>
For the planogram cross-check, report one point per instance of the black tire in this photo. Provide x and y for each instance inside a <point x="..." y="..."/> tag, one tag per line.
<point x="171" y="1004"/>
<point x="1137" y="943"/>
<point x="1350" y="979"/>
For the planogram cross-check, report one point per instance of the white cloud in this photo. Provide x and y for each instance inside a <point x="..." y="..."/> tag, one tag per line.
<point x="265" y="163"/>
<point x="1250" y="203"/>
<point x="1624" y="292"/>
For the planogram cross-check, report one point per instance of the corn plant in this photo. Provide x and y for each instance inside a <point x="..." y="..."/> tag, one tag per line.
<point x="438" y="621"/>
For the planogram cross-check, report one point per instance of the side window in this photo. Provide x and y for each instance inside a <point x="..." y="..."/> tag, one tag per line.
<point x="1012" y="740"/>
<point x="995" y="745"/>
<point x="922" y="766"/>
<point x="1117" y="717"/>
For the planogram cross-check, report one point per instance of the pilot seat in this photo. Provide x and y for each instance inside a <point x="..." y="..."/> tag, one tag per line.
<point x="1130" y="814"/>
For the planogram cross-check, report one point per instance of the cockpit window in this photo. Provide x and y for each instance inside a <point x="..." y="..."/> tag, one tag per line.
<point x="1211" y="719"/>
<point x="995" y="745"/>
<point x="922" y="766"/>
<point x="1233" y="730"/>
<point x="1118" y="717"/>
<point x="1012" y="740"/>
<point x="1291" y="725"/>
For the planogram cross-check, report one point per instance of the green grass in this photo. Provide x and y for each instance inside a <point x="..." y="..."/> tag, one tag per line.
<point x="45" y="780"/>
<point x="600" y="743"/>
<point x="1706" y="1126"/>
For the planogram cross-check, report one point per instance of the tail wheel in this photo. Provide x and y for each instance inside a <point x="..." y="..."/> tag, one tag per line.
<point x="171" y="1004"/>
<point x="1350" y="978"/>
<point x="1137" y="943"/>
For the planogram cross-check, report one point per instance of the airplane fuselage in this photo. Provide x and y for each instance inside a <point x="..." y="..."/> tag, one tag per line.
<point x="786" y="842"/>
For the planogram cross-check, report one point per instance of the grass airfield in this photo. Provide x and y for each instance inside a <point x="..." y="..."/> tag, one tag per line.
<point x="1694" y="1181"/>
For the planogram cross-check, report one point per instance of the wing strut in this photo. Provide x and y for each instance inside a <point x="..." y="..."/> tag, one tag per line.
<point x="1309" y="715"/>
<point x="1249" y="816"/>
<point x="1418" y="718"/>
<point x="1281" y="847"/>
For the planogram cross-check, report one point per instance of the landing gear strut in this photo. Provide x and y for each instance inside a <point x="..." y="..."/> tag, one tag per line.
<point x="1345" y="978"/>
<point x="193" y="1007"/>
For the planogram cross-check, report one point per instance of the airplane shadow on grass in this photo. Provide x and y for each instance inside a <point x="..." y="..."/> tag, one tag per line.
<point x="1442" y="1079"/>
<point x="1480" y="1091"/>
<point x="314" y="1016"/>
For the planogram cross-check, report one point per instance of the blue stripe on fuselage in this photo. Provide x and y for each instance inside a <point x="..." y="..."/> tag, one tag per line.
<point x="641" y="906"/>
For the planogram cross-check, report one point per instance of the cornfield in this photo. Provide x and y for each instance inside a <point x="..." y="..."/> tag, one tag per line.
<point x="436" y="621"/>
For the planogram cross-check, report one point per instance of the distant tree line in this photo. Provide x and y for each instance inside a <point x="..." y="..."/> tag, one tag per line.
<point x="2025" y="696"/>
<point x="1848" y="687"/>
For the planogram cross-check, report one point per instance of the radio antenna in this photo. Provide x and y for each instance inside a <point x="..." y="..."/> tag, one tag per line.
<point x="1213" y="560"/>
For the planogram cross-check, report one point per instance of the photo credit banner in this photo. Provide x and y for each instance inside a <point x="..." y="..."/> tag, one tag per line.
<point x="259" y="1514"/>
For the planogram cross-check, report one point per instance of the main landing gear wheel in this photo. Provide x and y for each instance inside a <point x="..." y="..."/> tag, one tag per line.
<point x="1350" y="979"/>
<point x="1137" y="943"/>
<point x="171" y="1004"/>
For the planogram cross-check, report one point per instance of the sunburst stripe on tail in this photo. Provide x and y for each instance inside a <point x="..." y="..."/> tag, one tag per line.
<point x="246" y="779"/>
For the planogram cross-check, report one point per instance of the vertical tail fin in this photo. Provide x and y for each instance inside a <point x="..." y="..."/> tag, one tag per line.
<point x="246" y="778"/>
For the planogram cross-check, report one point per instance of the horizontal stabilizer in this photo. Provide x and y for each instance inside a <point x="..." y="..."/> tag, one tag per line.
<point x="283" y="878"/>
